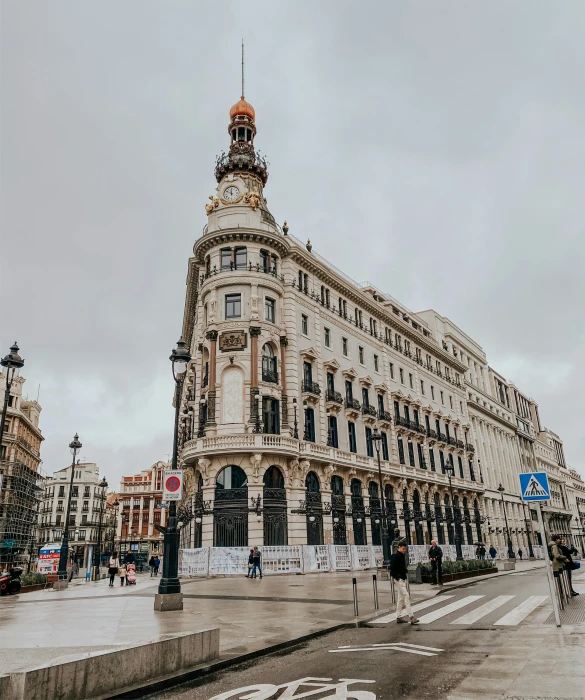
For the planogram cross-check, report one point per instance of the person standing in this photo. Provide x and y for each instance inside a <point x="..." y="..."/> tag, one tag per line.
<point x="520" y="553"/>
<point x="256" y="562"/>
<point x="436" y="557"/>
<point x="398" y="571"/>
<point x="569" y="565"/>
<point x="128" y="558"/>
<point x="156" y="565"/>
<point x="493" y="554"/>
<point x="122" y="573"/>
<point x="113" y="566"/>
<point x="250" y="563"/>
<point x="151" y="565"/>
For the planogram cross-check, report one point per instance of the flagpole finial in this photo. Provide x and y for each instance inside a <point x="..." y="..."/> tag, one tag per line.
<point x="243" y="69"/>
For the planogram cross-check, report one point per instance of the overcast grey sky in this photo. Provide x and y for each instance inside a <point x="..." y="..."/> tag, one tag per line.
<point x="436" y="149"/>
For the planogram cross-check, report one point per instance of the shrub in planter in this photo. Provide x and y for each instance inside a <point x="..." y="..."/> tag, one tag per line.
<point x="33" y="579"/>
<point x="457" y="567"/>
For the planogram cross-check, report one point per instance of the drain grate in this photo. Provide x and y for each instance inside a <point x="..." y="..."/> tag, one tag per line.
<point x="572" y="614"/>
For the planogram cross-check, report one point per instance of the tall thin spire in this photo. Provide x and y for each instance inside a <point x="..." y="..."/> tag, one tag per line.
<point x="242" y="69"/>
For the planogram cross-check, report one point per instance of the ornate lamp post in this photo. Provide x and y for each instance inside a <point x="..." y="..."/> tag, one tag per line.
<point x="377" y="439"/>
<point x="74" y="447"/>
<point x="511" y="554"/>
<point x="13" y="362"/>
<point x="450" y="471"/>
<point x="169" y="584"/>
<point x="103" y="485"/>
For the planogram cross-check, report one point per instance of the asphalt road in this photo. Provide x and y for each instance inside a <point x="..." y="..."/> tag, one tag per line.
<point x="422" y="662"/>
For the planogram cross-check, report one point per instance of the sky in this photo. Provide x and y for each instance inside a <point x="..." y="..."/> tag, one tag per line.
<point x="436" y="149"/>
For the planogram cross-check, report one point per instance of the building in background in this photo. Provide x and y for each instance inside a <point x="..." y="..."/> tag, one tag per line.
<point x="140" y="509"/>
<point x="87" y="503"/>
<point x="576" y="496"/>
<point x="21" y="480"/>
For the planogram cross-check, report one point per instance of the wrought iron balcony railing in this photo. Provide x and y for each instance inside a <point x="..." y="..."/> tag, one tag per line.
<point x="441" y="437"/>
<point x="269" y="375"/>
<point x="385" y="416"/>
<point x="311" y="387"/>
<point x="469" y="447"/>
<point x="334" y="396"/>
<point x="431" y="433"/>
<point x="353" y="404"/>
<point x="369" y="411"/>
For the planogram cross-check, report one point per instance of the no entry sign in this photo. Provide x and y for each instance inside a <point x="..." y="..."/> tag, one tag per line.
<point x="173" y="485"/>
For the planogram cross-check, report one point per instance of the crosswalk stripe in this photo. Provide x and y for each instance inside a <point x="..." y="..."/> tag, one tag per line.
<point x="441" y="612"/>
<point x="475" y="615"/>
<point x="415" y="608"/>
<point x="521" y="611"/>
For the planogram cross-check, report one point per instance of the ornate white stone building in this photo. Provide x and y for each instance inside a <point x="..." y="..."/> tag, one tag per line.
<point x="294" y="365"/>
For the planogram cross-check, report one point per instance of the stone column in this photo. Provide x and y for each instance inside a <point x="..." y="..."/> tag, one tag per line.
<point x="284" y="396"/>
<point x="254" y="335"/>
<point x="212" y="337"/>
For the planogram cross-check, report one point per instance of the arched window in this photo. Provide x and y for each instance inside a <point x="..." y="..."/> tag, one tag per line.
<point x="312" y="483"/>
<point x="230" y="516"/>
<point x="231" y="477"/>
<point x="338" y="510"/>
<point x="373" y="489"/>
<point x="359" y="513"/>
<point x="337" y="486"/>
<point x="375" y="513"/>
<point x="269" y="367"/>
<point x="273" y="478"/>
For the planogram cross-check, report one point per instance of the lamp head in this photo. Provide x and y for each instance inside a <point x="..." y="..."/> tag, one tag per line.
<point x="75" y="445"/>
<point x="13" y="360"/>
<point x="180" y="357"/>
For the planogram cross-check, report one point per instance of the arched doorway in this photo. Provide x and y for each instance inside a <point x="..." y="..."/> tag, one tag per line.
<point x="449" y="519"/>
<point x="375" y="513"/>
<point x="417" y="514"/>
<point x="359" y="513"/>
<point x="274" y="499"/>
<point x="314" y="509"/>
<point x="230" y="518"/>
<point x="391" y="510"/>
<point x="457" y="518"/>
<point x="428" y="517"/>
<point x="407" y="516"/>
<point x="338" y="510"/>
<point x="477" y="518"/>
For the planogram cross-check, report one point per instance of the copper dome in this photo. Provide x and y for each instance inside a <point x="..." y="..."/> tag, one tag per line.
<point x="243" y="109"/>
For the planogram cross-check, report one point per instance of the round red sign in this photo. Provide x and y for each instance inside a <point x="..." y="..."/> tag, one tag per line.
<point x="173" y="483"/>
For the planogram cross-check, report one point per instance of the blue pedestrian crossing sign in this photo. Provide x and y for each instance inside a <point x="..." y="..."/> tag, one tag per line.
<point x="534" y="486"/>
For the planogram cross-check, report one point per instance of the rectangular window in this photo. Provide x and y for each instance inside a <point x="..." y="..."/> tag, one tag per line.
<point x="385" y="453"/>
<point x="401" y="376"/>
<point x="376" y="366"/>
<point x="410" y="380"/>
<point x="381" y="408"/>
<point x="241" y="261"/>
<point x="432" y="459"/>
<point x="471" y="472"/>
<point x="460" y="464"/>
<point x="432" y="392"/>
<point x="391" y="370"/>
<point x="351" y="435"/>
<point x="451" y="401"/>
<point x="330" y="382"/>
<point x="309" y="425"/>
<point x="401" y="451"/>
<point x="411" y="454"/>
<point x="327" y="338"/>
<point x="461" y="407"/>
<point x="304" y="324"/>
<point x="308" y="372"/>
<point x="421" y="459"/>
<point x="264" y="264"/>
<point x="397" y="413"/>
<point x="369" y="443"/>
<point x="442" y="398"/>
<point x="270" y="310"/>
<point x="226" y="258"/>
<point x="365" y="397"/>
<point x="333" y="437"/>
<point x="361" y="355"/>
<point x="442" y="460"/>
<point x="348" y="391"/>
<point x="422" y="387"/>
<point x="344" y="347"/>
<point x="271" y="415"/>
<point x="233" y="305"/>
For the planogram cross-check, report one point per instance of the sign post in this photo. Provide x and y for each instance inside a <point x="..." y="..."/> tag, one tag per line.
<point x="534" y="487"/>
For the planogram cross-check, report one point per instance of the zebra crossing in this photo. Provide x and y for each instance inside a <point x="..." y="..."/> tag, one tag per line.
<point x="444" y="606"/>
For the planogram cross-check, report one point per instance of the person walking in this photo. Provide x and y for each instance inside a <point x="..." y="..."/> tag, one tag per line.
<point x="493" y="554"/>
<point x="569" y="565"/>
<point x="256" y="562"/>
<point x="398" y="571"/>
<point x="151" y="565"/>
<point x="520" y="553"/>
<point x="122" y="573"/>
<point x="113" y="566"/>
<point x="250" y="563"/>
<point x="436" y="558"/>
<point x="128" y="558"/>
<point x="156" y="565"/>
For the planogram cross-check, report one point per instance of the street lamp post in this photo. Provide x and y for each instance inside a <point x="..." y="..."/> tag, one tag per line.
<point x="74" y="447"/>
<point x="296" y="424"/>
<point x="450" y="471"/>
<point x="169" y="584"/>
<point x="116" y="504"/>
<point x="103" y="485"/>
<point x="377" y="438"/>
<point x="511" y="554"/>
<point x="13" y="362"/>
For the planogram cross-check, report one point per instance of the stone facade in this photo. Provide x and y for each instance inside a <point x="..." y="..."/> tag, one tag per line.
<point x="294" y="366"/>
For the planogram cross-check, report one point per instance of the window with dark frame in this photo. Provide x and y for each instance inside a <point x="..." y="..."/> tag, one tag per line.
<point x="327" y="334"/>
<point x="233" y="305"/>
<point x="351" y="436"/>
<point x="304" y="324"/>
<point x="270" y="310"/>
<point x="226" y="258"/>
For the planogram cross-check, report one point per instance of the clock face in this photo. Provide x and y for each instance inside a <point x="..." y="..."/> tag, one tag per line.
<point x="231" y="193"/>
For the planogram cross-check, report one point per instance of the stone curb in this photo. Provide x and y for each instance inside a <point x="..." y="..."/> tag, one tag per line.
<point x="223" y="664"/>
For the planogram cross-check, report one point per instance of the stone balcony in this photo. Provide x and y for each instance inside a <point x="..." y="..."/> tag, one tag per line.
<point x="298" y="449"/>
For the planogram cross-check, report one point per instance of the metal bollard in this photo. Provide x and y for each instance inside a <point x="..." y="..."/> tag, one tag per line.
<point x="355" y="598"/>
<point x="375" y="583"/>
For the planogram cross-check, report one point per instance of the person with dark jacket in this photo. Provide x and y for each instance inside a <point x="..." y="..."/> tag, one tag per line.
<point x="250" y="563"/>
<point x="399" y="574"/>
<point x="128" y="558"/>
<point x="256" y="562"/>
<point x="568" y="564"/>
<point x="493" y="554"/>
<point x="151" y="565"/>
<point x="436" y="558"/>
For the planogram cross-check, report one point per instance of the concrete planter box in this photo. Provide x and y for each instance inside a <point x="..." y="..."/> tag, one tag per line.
<point x="447" y="578"/>
<point x="36" y="587"/>
<point x="102" y="674"/>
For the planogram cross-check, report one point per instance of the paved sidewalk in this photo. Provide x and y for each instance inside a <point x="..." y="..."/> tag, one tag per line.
<point x="48" y="626"/>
